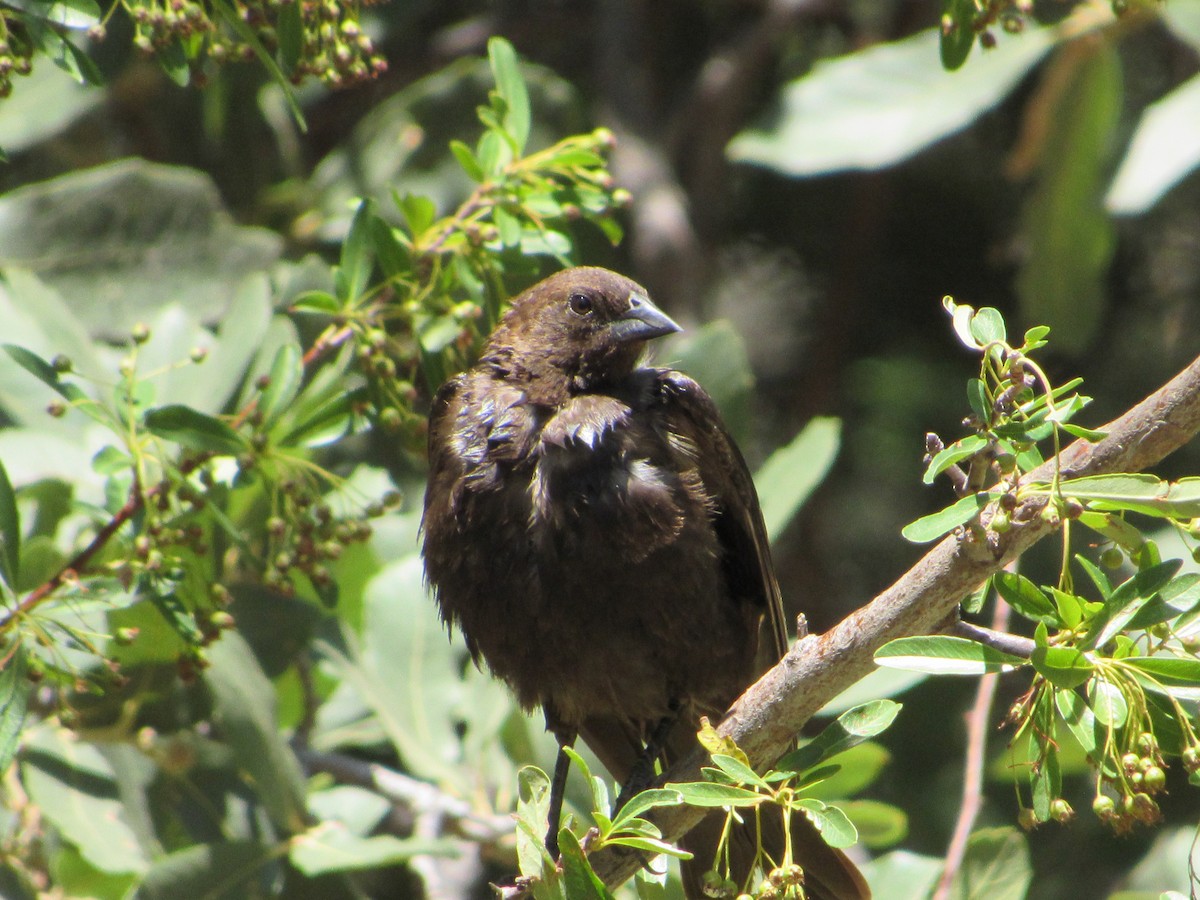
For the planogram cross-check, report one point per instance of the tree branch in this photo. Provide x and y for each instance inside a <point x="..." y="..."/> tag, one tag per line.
<point x="817" y="668"/>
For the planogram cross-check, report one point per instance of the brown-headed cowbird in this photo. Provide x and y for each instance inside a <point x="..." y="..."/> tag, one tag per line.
<point x="593" y="530"/>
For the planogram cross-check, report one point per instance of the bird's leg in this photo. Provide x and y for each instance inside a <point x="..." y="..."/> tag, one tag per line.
<point x="642" y="774"/>
<point x="558" y="787"/>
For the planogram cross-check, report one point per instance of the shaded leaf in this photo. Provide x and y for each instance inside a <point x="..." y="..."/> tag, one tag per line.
<point x="996" y="866"/>
<point x="152" y="231"/>
<point x="332" y="847"/>
<point x="1069" y="236"/>
<point x="220" y="871"/>
<point x="849" y="729"/>
<point x="73" y="785"/>
<point x="244" y="706"/>
<point x="193" y="429"/>
<point x="875" y="108"/>
<point x="14" y="701"/>
<point x="1164" y="149"/>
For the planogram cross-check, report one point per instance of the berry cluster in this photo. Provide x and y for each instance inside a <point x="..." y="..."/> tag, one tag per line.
<point x="16" y="51"/>
<point x="318" y="38"/>
<point x="335" y="47"/>
<point x="307" y="536"/>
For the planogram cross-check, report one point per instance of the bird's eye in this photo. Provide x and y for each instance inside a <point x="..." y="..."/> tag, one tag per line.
<point x="581" y="304"/>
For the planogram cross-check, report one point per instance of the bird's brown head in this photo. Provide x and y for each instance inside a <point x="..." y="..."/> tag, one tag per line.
<point x="577" y="329"/>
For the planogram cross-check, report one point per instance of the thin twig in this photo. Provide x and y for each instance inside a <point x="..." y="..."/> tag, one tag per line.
<point x="419" y="796"/>
<point x="1013" y="644"/>
<point x="78" y="563"/>
<point x="977" y="731"/>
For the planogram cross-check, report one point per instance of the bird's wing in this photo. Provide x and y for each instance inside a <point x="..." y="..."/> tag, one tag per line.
<point x="695" y="420"/>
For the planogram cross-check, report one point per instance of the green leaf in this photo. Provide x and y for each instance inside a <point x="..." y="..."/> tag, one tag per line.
<point x="357" y="808"/>
<point x="44" y="372"/>
<point x="880" y="683"/>
<point x="511" y="86"/>
<point x="73" y="786"/>
<point x="835" y="826"/>
<point x="231" y="867"/>
<point x="1069" y="236"/>
<point x="955" y="42"/>
<point x="287" y="371"/>
<point x="1165" y="147"/>
<point x="1168" y="669"/>
<point x="1069" y="606"/>
<point x="849" y="729"/>
<point x="404" y="669"/>
<point x="1123" y="604"/>
<point x="10" y="536"/>
<point x="1025" y="597"/>
<point x="76" y="14"/>
<point x="332" y="847"/>
<point x="737" y="770"/>
<point x="987" y="326"/>
<point x="244" y="708"/>
<point x="1064" y="667"/>
<point x="357" y="260"/>
<point x="854" y="770"/>
<point x="1141" y="493"/>
<point x="320" y="302"/>
<point x="1107" y="703"/>
<point x="466" y="159"/>
<point x="1092" y="435"/>
<point x="194" y="430"/>
<point x="1078" y="718"/>
<point x="879" y="106"/>
<point x="289" y="28"/>
<point x="945" y="655"/>
<point x="996" y="866"/>
<point x="419" y="211"/>
<point x="879" y="825"/>
<point x="792" y="473"/>
<point x="533" y="804"/>
<point x="711" y="794"/>
<point x="229" y="14"/>
<point x="152" y="232"/>
<point x="955" y="453"/>
<point x="1097" y="576"/>
<point x="977" y="399"/>
<point x="14" y="702"/>
<point x="643" y="802"/>
<point x="931" y="527"/>
<point x="579" y="881"/>
<point x="903" y="874"/>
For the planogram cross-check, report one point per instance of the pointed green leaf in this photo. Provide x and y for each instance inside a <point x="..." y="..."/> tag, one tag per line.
<point x="706" y="793"/>
<point x="10" y="534"/>
<point x="945" y="655"/>
<point x="14" y="701"/>
<point x="1024" y="597"/>
<point x="931" y="527"/>
<point x="1064" y="667"/>
<point x="510" y="84"/>
<point x="193" y="429"/>
<point x="849" y="729"/>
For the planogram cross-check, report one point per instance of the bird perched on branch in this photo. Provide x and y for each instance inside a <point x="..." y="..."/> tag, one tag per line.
<point x="593" y="530"/>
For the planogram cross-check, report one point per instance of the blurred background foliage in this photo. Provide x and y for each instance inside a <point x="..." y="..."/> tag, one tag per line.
<point x="805" y="182"/>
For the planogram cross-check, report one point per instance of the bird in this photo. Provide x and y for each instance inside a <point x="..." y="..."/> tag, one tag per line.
<point x="593" y="530"/>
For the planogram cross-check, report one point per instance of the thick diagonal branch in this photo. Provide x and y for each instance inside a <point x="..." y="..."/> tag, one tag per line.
<point x="817" y="668"/>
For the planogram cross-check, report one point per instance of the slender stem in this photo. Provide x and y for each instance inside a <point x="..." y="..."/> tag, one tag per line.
<point x="972" y="796"/>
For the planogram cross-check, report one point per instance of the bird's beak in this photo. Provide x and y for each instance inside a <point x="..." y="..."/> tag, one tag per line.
<point x="642" y="321"/>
